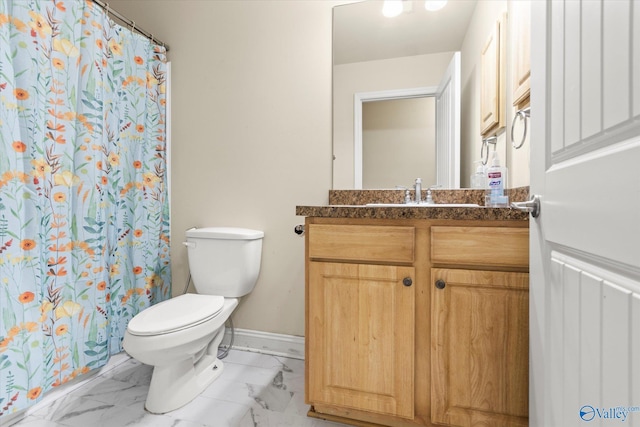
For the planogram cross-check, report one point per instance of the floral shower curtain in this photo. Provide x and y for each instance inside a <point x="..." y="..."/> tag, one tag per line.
<point x="84" y="232"/>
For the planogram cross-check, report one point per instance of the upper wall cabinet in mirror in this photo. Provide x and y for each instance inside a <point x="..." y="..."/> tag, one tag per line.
<point x="521" y="20"/>
<point x="374" y="54"/>
<point x="492" y="86"/>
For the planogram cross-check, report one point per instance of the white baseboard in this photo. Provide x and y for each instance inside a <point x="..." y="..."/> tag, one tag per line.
<point x="266" y="342"/>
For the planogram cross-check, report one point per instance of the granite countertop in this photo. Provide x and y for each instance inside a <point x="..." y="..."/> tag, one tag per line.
<point x="352" y="204"/>
<point x="408" y="212"/>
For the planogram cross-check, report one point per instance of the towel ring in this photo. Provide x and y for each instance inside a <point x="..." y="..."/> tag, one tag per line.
<point x="485" y="144"/>
<point x="523" y="114"/>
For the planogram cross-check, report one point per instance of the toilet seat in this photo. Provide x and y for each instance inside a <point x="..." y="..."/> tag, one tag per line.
<point x="175" y="314"/>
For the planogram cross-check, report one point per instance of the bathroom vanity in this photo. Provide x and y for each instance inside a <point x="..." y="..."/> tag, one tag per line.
<point x="417" y="316"/>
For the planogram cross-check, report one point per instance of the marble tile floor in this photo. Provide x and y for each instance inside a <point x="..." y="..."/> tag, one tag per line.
<point x="255" y="390"/>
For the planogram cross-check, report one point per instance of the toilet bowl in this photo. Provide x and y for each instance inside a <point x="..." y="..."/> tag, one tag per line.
<point x="180" y="337"/>
<point x="183" y="354"/>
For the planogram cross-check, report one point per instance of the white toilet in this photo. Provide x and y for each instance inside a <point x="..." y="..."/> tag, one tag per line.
<point x="180" y="337"/>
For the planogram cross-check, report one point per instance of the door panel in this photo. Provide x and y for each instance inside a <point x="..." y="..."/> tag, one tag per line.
<point x="593" y="311"/>
<point x="585" y="255"/>
<point x="448" y="126"/>
<point x="636" y="59"/>
<point x="588" y="201"/>
<point x="591" y="84"/>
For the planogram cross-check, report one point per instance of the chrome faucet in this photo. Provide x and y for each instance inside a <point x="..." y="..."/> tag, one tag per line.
<point x="418" y="190"/>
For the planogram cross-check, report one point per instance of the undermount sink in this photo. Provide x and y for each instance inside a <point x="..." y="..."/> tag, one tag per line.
<point x="423" y="205"/>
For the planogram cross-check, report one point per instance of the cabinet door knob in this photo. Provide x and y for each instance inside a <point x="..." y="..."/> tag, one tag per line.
<point x="407" y="281"/>
<point x="440" y="284"/>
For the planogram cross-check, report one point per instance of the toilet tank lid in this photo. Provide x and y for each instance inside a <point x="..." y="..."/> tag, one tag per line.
<point x="227" y="233"/>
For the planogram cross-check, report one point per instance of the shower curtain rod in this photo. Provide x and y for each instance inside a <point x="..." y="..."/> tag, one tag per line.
<point x="129" y="22"/>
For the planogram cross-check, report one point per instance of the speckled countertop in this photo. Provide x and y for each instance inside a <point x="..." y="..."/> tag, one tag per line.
<point x="351" y="204"/>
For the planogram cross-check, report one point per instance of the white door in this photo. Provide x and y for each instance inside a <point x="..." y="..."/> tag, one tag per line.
<point x="448" y="126"/>
<point x="585" y="244"/>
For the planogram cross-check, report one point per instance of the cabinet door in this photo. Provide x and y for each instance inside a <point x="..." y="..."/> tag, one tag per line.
<point x="480" y="348"/>
<point x="521" y="13"/>
<point x="492" y="109"/>
<point x="361" y="337"/>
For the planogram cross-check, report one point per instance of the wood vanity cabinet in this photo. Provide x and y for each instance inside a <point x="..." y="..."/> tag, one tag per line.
<point x="385" y="345"/>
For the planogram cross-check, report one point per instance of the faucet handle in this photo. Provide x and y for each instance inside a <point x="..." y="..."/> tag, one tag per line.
<point x="429" y="199"/>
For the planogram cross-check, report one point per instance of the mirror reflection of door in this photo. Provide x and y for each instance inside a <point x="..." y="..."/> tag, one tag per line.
<point x="398" y="142"/>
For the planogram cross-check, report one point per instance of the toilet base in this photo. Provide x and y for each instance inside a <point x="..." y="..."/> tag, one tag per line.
<point x="174" y="386"/>
<point x="184" y="362"/>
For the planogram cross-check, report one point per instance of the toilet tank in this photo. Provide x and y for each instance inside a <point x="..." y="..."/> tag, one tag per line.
<point x="224" y="260"/>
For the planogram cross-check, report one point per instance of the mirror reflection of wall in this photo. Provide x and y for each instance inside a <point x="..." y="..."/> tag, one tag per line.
<point x="371" y="76"/>
<point x="398" y="142"/>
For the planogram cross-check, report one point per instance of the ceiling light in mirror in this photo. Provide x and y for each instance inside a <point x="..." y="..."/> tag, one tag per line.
<point x="433" y="5"/>
<point x="392" y="8"/>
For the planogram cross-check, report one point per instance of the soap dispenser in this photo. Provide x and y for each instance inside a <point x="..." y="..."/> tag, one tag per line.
<point x="496" y="181"/>
<point x="479" y="178"/>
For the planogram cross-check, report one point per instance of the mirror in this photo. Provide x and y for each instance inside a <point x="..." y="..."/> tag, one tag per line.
<point x="373" y="53"/>
<point x="412" y="50"/>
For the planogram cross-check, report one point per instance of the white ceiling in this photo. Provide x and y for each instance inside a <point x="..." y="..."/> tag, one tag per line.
<point x="362" y="33"/>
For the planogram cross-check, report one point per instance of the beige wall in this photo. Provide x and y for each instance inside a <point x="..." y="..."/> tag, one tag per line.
<point x="398" y="142"/>
<point x="251" y="132"/>
<point x="484" y="17"/>
<point x="372" y="76"/>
